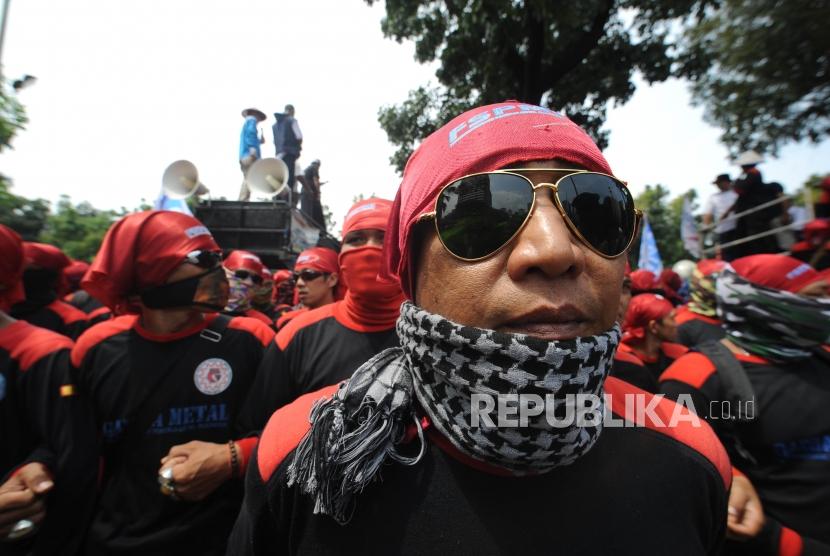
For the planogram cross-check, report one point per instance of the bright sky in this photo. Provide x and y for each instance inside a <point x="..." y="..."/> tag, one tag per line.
<point x="124" y="88"/>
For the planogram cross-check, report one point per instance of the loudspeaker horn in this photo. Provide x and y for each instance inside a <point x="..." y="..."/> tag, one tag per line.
<point x="268" y="175"/>
<point x="181" y="180"/>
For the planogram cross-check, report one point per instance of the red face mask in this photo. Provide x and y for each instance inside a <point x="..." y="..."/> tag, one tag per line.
<point x="369" y="302"/>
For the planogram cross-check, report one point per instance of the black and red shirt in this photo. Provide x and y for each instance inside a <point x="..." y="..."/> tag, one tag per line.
<point x="317" y="348"/>
<point x="640" y="490"/>
<point x="784" y="445"/>
<point x="42" y="420"/>
<point x="694" y="329"/>
<point x="191" y="385"/>
<point x="57" y="316"/>
<point x="656" y="365"/>
<point x="632" y="370"/>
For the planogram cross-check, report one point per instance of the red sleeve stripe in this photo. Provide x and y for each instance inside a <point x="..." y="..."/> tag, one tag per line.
<point x="694" y="433"/>
<point x="790" y="543"/>
<point x="286" y="429"/>
<point x="246" y="448"/>
<point x="628" y="358"/>
<point x="693" y="369"/>
<point x="259" y="330"/>
<point x="674" y="351"/>
<point x="27" y="344"/>
<point x="98" y="333"/>
<point x="307" y="318"/>
<point x="68" y="313"/>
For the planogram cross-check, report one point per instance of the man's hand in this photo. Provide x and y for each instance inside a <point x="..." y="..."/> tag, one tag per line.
<point x="21" y="497"/>
<point x="199" y="468"/>
<point x="746" y="515"/>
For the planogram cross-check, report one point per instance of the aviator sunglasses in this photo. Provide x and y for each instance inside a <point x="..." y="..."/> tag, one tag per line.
<point x="477" y="215"/>
<point x="204" y="259"/>
<point x="246" y="275"/>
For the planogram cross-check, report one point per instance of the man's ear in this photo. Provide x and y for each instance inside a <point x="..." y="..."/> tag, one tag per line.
<point x="332" y="280"/>
<point x="652" y="326"/>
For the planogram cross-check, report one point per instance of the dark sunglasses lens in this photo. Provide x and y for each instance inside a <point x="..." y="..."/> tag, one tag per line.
<point x="245" y="275"/>
<point x="601" y="208"/>
<point x="307" y="275"/>
<point x="478" y="215"/>
<point x="207" y="259"/>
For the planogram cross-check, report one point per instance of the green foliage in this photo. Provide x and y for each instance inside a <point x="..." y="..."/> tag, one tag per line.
<point x="78" y="229"/>
<point x="12" y="117"/>
<point x="26" y="216"/>
<point x="572" y="56"/>
<point x="664" y="216"/>
<point x="761" y="68"/>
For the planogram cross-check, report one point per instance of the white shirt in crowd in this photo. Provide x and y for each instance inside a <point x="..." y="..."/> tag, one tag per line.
<point x="716" y="205"/>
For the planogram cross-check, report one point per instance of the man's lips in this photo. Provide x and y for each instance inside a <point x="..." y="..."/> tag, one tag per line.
<point x="548" y="323"/>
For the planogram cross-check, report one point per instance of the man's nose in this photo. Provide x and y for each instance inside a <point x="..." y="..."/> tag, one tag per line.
<point x="545" y="244"/>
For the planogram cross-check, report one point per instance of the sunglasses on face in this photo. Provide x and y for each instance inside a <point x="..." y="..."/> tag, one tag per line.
<point x="477" y="215"/>
<point x="307" y="275"/>
<point x="245" y="275"/>
<point x="204" y="259"/>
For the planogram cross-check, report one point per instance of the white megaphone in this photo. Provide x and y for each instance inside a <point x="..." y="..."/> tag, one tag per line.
<point x="268" y="175"/>
<point x="181" y="180"/>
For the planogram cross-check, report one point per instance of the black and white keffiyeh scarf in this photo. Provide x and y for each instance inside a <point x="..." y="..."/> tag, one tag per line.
<point x="773" y="324"/>
<point x="442" y="364"/>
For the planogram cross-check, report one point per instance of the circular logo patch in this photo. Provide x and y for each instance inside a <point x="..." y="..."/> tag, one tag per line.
<point x="213" y="376"/>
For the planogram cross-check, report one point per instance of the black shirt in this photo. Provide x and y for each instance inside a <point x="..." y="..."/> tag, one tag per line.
<point x="785" y="448"/>
<point x="638" y="491"/>
<point x="317" y="348"/>
<point x="57" y="316"/>
<point x="196" y="389"/>
<point x="694" y="329"/>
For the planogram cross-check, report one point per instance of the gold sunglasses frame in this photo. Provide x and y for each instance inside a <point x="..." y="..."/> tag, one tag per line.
<point x="638" y="214"/>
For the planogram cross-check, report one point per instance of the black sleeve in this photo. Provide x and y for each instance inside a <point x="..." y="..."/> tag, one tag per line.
<point x="273" y="388"/>
<point x="257" y="528"/>
<point x="63" y="418"/>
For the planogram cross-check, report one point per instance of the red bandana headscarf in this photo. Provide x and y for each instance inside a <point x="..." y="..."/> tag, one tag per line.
<point x="43" y="255"/>
<point x="74" y="273"/>
<point x="643" y="309"/>
<point x="371" y="303"/>
<point x="12" y="262"/>
<point x="140" y="251"/>
<point x="643" y="281"/>
<point x="481" y="140"/>
<point x="321" y="259"/>
<point x="779" y="272"/>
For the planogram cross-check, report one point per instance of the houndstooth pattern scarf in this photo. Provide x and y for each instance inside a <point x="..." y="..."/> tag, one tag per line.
<point x="773" y="324"/>
<point x="443" y="364"/>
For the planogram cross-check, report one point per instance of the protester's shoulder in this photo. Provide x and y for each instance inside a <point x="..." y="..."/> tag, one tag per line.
<point x="68" y="313"/>
<point x="255" y="327"/>
<point x="304" y="320"/>
<point x="683" y="314"/>
<point x="100" y="333"/>
<point x="673" y="350"/>
<point x="692" y="368"/>
<point x="285" y="429"/>
<point x="683" y="430"/>
<point x="27" y="344"/>
<point x="622" y="356"/>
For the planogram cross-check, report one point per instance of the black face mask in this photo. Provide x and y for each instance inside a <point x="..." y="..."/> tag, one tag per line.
<point x="180" y="294"/>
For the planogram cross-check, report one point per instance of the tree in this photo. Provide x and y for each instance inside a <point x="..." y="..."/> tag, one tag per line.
<point x="12" y="117"/>
<point x="572" y="56"/>
<point x="25" y="216"/>
<point x="761" y="69"/>
<point x="78" y="229"/>
<point x="664" y="217"/>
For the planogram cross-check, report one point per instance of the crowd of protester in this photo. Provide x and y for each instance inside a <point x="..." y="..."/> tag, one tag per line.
<point x="165" y="399"/>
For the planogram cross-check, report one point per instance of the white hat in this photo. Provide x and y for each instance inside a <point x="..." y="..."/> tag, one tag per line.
<point x="748" y="158"/>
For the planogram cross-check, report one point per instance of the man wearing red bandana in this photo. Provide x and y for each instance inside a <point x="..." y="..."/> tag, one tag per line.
<point x="245" y="273"/>
<point x="508" y="237"/>
<point x="649" y="334"/>
<point x="167" y="381"/>
<point x="765" y="388"/>
<point x="316" y="281"/>
<point x="324" y="346"/>
<point x="697" y="321"/>
<point x="42" y="510"/>
<point x="43" y="281"/>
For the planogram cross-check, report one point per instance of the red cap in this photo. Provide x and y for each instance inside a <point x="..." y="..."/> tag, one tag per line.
<point x="643" y="280"/>
<point x="370" y="214"/>
<point x="244" y="260"/>
<point x="480" y="140"/>
<point x="45" y="256"/>
<point x="643" y="309"/>
<point x="321" y="259"/>
<point x="779" y="272"/>
<point x="12" y="262"/>
<point x="707" y="267"/>
<point x="140" y="251"/>
<point x="281" y="276"/>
